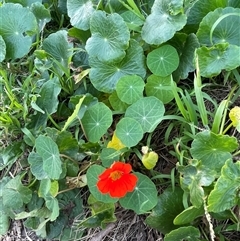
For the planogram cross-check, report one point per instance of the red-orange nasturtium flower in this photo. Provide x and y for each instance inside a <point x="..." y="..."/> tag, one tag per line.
<point x="117" y="180"/>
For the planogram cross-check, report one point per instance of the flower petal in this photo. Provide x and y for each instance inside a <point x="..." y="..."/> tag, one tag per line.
<point x="120" y="187"/>
<point x="121" y="166"/>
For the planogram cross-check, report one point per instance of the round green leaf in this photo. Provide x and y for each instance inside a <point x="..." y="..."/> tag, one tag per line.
<point x="219" y="57"/>
<point x="144" y="196"/>
<point x="130" y="88"/>
<point x="166" y="18"/>
<point x="132" y="20"/>
<point x="92" y="178"/>
<point x="129" y="131"/>
<point x="2" y="49"/>
<point x="148" y="111"/>
<point x="163" y="61"/>
<point x="213" y="150"/>
<point x="110" y="37"/>
<point x="159" y="87"/>
<point x="96" y="120"/>
<point x="80" y="12"/>
<point x="220" y="26"/>
<point x="17" y="25"/>
<point x="104" y="76"/>
<point x="183" y="233"/>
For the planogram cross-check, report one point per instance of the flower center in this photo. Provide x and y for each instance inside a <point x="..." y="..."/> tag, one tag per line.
<point x="115" y="175"/>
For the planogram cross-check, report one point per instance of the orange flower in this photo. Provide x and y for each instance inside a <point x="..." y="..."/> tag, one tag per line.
<point x="117" y="180"/>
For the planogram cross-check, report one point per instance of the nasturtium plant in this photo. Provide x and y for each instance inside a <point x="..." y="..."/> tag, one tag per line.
<point x="96" y="120"/>
<point x="110" y="37"/>
<point x="148" y="111"/>
<point x="132" y="20"/>
<point x="104" y="75"/>
<point x="159" y="87"/>
<point x="165" y="20"/>
<point x="80" y="13"/>
<point x="163" y="60"/>
<point x="130" y="88"/>
<point x="17" y="26"/>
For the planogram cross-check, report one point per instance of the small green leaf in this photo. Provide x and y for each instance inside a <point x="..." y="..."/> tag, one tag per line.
<point x="213" y="150"/>
<point x="96" y="120"/>
<point x="80" y="12"/>
<point x="188" y="215"/>
<point x="166" y="18"/>
<point x="168" y="207"/>
<point x="130" y="88"/>
<point x="219" y="57"/>
<point x="132" y="20"/>
<point x="129" y="131"/>
<point x="110" y="37"/>
<point x="14" y="194"/>
<point x="160" y="87"/>
<point x="226" y="190"/>
<point x="17" y="25"/>
<point x="104" y="75"/>
<point x="2" y="49"/>
<point x="144" y="196"/>
<point x="92" y="177"/>
<point x="48" y="151"/>
<point x="184" y="233"/>
<point x="148" y="111"/>
<point x="163" y="60"/>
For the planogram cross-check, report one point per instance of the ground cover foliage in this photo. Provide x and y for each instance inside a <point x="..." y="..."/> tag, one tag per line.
<point x="154" y="84"/>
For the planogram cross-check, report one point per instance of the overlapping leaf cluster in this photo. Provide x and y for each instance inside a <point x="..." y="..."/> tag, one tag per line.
<point x="85" y="83"/>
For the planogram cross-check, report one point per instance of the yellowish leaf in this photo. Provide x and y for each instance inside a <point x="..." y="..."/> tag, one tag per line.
<point x="115" y="143"/>
<point x="234" y="116"/>
<point x="150" y="159"/>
